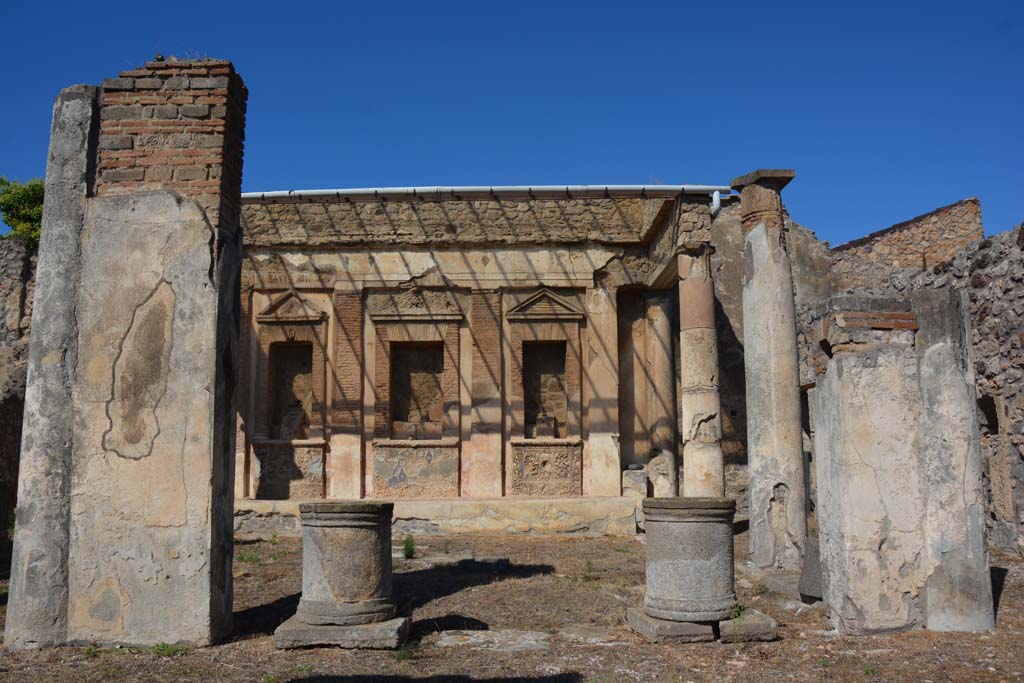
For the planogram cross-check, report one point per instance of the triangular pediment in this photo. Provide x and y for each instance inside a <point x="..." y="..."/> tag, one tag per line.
<point x="291" y="307"/>
<point x="545" y="305"/>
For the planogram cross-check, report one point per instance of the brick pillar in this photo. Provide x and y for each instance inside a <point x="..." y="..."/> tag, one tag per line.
<point x="778" y="499"/>
<point x="144" y="543"/>
<point x="604" y="462"/>
<point x="344" y="468"/>
<point x="482" y="455"/>
<point x="700" y="405"/>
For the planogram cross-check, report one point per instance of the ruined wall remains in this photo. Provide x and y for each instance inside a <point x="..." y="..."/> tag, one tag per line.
<point x="991" y="271"/>
<point x="124" y="524"/>
<point x="928" y="240"/>
<point x="900" y="473"/>
<point x="17" y="282"/>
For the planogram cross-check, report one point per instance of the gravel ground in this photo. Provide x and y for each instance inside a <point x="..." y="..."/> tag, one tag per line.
<point x="569" y="595"/>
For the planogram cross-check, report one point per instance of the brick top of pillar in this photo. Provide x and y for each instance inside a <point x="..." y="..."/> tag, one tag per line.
<point x="777" y="178"/>
<point x="175" y="125"/>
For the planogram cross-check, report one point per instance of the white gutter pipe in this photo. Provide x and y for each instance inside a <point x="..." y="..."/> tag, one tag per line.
<point x="484" y="191"/>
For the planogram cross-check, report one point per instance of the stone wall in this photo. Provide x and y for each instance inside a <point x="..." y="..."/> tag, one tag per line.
<point x="17" y="268"/>
<point x="922" y="242"/>
<point x="515" y="221"/>
<point x="991" y="271"/>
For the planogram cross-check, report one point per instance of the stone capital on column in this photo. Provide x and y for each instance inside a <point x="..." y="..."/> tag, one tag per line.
<point x="760" y="197"/>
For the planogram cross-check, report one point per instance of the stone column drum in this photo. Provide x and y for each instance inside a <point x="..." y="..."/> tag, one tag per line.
<point x="346" y="563"/>
<point x="689" y="558"/>
<point x="346" y="578"/>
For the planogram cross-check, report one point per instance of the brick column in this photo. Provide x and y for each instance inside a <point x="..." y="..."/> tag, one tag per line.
<point x="778" y="499"/>
<point x="344" y="467"/>
<point x="700" y="407"/>
<point x="150" y="301"/>
<point x="604" y="470"/>
<point x="482" y="455"/>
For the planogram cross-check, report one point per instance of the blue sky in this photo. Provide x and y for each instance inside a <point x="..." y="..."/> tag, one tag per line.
<point x="886" y="110"/>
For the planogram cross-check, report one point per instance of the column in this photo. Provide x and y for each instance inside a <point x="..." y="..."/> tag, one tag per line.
<point x="778" y="522"/>
<point x="37" y="606"/>
<point x="699" y="409"/>
<point x="662" y="402"/>
<point x="601" y="375"/>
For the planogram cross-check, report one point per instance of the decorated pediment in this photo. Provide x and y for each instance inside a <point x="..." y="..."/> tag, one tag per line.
<point x="546" y="305"/>
<point x="291" y="307"/>
<point x="413" y="304"/>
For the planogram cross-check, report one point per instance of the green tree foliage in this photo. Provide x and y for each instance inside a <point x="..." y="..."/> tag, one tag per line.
<point x="21" y="205"/>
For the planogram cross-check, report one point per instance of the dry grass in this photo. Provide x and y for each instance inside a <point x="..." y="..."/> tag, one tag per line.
<point x="551" y="583"/>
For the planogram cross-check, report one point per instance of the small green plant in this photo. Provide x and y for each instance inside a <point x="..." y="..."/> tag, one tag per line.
<point x="303" y="668"/>
<point x="167" y="650"/>
<point x="738" y="609"/>
<point x="278" y="555"/>
<point x="408" y="547"/>
<point x="824" y="663"/>
<point x="870" y="670"/>
<point x="407" y="650"/>
<point x="269" y="678"/>
<point x="588" y="573"/>
<point x="273" y="540"/>
<point x="622" y="549"/>
<point x="91" y="651"/>
<point x="249" y="556"/>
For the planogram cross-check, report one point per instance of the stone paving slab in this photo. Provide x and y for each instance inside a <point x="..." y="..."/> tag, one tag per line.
<point x="751" y="626"/>
<point x="664" y="631"/>
<point x="382" y="635"/>
<point x="499" y="640"/>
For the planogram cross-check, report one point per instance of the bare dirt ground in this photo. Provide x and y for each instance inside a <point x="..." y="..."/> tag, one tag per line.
<point x="552" y="587"/>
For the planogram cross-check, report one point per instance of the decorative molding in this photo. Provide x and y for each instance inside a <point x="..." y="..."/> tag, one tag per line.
<point x="546" y="305"/>
<point x="290" y="308"/>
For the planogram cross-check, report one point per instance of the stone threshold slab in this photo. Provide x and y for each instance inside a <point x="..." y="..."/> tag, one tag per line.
<point x="382" y="635"/>
<point x="597" y="516"/>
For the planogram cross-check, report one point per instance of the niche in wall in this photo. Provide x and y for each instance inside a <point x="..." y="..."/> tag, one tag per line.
<point x="291" y="381"/>
<point x="417" y="398"/>
<point x="544" y="392"/>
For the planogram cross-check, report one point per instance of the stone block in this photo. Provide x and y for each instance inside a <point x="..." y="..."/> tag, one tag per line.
<point x="118" y="83"/>
<point x="749" y="627"/>
<point x="634" y="483"/>
<point x="148" y="83"/>
<point x="116" y="142"/>
<point x="810" y="575"/>
<point x="216" y="83"/>
<point x="121" y="112"/>
<point x="665" y="631"/>
<point x="165" y="111"/>
<point x="381" y="635"/>
<point x="120" y="175"/>
<point x="195" y="111"/>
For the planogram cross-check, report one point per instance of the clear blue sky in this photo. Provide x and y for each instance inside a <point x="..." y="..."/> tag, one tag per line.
<point x="886" y="110"/>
